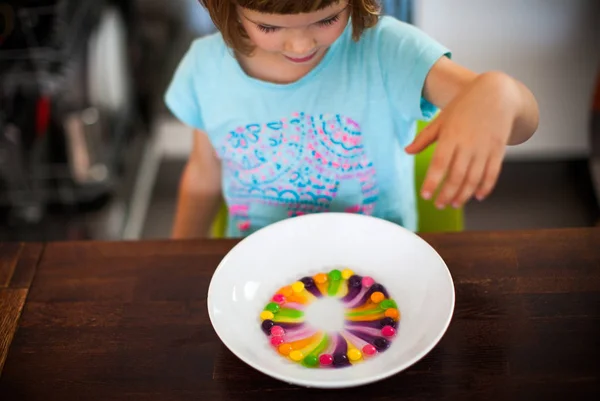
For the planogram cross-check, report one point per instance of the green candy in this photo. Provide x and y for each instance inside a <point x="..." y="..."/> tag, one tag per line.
<point x="272" y="307"/>
<point x="335" y="275"/>
<point x="387" y="304"/>
<point x="311" y="361"/>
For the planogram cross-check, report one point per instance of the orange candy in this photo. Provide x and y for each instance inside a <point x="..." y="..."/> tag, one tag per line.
<point x="286" y="291"/>
<point x="393" y="313"/>
<point x="377" y="297"/>
<point x="285" y="349"/>
<point x="321" y="278"/>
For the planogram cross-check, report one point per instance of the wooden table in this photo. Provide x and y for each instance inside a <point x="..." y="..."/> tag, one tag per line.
<point x="128" y="321"/>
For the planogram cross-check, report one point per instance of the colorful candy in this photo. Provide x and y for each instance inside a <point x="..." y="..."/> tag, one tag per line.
<point x="371" y="320"/>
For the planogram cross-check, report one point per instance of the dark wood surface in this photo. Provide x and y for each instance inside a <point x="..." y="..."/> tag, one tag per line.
<point x="128" y="321"/>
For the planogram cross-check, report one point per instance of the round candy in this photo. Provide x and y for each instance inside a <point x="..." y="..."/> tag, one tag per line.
<point x="387" y="304"/>
<point x="355" y="281"/>
<point x="272" y="307"/>
<point x="354" y="354"/>
<point x="335" y="275"/>
<point x="277" y="341"/>
<point x="340" y="360"/>
<point x="377" y="288"/>
<point x="392" y="313"/>
<point x="377" y="297"/>
<point x="387" y="321"/>
<point x="279" y="299"/>
<point x="277" y="331"/>
<point x="266" y="315"/>
<point x="296" y="356"/>
<point x="308" y="282"/>
<point x="388" y="331"/>
<point x="321" y="278"/>
<point x="381" y="344"/>
<point x="347" y="273"/>
<point x="285" y="349"/>
<point x="369" y="350"/>
<point x="298" y="286"/>
<point x="286" y="291"/>
<point x="325" y="359"/>
<point x="266" y="326"/>
<point x="367" y="282"/>
<point x="311" y="360"/>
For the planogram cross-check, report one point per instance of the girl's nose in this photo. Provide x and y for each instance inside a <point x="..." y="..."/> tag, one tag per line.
<point x="300" y="45"/>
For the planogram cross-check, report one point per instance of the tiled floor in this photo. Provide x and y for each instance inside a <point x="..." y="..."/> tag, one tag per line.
<point x="528" y="195"/>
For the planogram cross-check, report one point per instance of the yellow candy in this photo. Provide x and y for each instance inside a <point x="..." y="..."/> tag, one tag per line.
<point x="298" y="286"/>
<point x="377" y="297"/>
<point x="354" y="354"/>
<point x="321" y="278"/>
<point x="296" y="356"/>
<point x="347" y="273"/>
<point x="266" y="315"/>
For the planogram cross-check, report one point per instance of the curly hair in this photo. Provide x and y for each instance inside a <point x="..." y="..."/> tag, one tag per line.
<point x="364" y="14"/>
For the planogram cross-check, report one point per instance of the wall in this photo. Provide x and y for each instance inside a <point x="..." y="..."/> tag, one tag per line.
<point x="553" y="46"/>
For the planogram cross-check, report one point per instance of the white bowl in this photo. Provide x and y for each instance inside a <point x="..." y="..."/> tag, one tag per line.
<point x="413" y="273"/>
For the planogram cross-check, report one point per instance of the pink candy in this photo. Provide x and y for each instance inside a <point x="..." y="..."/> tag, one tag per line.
<point x="279" y="299"/>
<point x="277" y="331"/>
<point x="277" y="341"/>
<point x="388" y="331"/>
<point x="369" y="350"/>
<point x="367" y="282"/>
<point x="326" y="359"/>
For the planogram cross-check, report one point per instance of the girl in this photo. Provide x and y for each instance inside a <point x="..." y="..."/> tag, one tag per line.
<point x="307" y="106"/>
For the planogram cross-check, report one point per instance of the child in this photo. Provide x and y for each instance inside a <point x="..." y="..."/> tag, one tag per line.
<point x="307" y="106"/>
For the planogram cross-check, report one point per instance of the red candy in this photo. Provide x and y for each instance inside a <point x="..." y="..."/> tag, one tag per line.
<point x="387" y="331"/>
<point x="368" y="282"/>
<point x="277" y="331"/>
<point x="326" y="359"/>
<point x="277" y="341"/>
<point x="369" y="350"/>
<point x="279" y="299"/>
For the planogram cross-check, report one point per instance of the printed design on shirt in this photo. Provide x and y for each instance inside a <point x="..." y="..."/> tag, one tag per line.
<point x="297" y="163"/>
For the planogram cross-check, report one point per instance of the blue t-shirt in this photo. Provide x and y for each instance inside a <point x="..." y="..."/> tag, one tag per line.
<point x="332" y="141"/>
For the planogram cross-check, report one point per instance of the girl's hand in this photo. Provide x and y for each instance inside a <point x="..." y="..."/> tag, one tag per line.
<point x="471" y="134"/>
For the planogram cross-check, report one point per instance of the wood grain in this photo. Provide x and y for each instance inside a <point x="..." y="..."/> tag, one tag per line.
<point x="9" y="255"/>
<point x="11" y="304"/>
<point x="122" y="321"/>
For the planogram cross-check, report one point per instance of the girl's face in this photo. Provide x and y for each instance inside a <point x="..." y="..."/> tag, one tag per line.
<point x="298" y="38"/>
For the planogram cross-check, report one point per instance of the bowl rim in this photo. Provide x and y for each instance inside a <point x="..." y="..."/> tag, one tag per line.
<point x="336" y="384"/>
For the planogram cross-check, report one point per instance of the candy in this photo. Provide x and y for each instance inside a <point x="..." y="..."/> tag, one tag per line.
<point x="387" y="304"/>
<point x="272" y="307"/>
<point x="381" y="344"/>
<point x="355" y="281"/>
<point x="286" y="291"/>
<point x="367" y="282"/>
<point x="347" y="273"/>
<point x="335" y="275"/>
<point x="369" y="350"/>
<point x="354" y="354"/>
<point x="387" y="321"/>
<point x="340" y="360"/>
<point x="266" y="315"/>
<point x="277" y="341"/>
<point x="277" y="331"/>
<point x="392" y="313"/>
<point x="311" y="360"/>
<point x="308" y="282"/>
<point x="266" y="326"/>
<point x="326" y="359"/>
<point x="296" y="356"/>
<point x="298" y="286"/>
<point x="377" y="297"/>
<point x="388" y="331"/>
<point x="321" y="278"/>
<point x="279" y="299"/>
<point x="285" y="349"/>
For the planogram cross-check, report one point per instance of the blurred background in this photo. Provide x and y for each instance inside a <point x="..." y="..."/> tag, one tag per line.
<point x="89" y="151"/>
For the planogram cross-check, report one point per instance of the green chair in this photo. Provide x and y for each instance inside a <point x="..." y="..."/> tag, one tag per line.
<point x="431" y="219"/>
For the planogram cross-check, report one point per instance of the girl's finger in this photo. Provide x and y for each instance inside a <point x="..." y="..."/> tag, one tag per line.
<point x="472" y="181"/>
<point x="455" y="178"/>
<point x="442" y="157"/>
<point x="424" y="139"/>
<point x="491" y="174"/>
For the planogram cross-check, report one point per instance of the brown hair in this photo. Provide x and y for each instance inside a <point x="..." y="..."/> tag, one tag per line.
<point x="364" y="15"/>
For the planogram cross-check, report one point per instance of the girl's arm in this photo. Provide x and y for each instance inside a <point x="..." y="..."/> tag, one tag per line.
<point x="481" y="115"/>
<point x="199" y="191"/>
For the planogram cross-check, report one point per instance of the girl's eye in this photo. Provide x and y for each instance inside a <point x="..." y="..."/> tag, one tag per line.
<point x="329" y="21"/>
<point x="267" y="29"/>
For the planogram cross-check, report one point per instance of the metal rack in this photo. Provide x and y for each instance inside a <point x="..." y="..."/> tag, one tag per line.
<point x="55" y="146"/>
